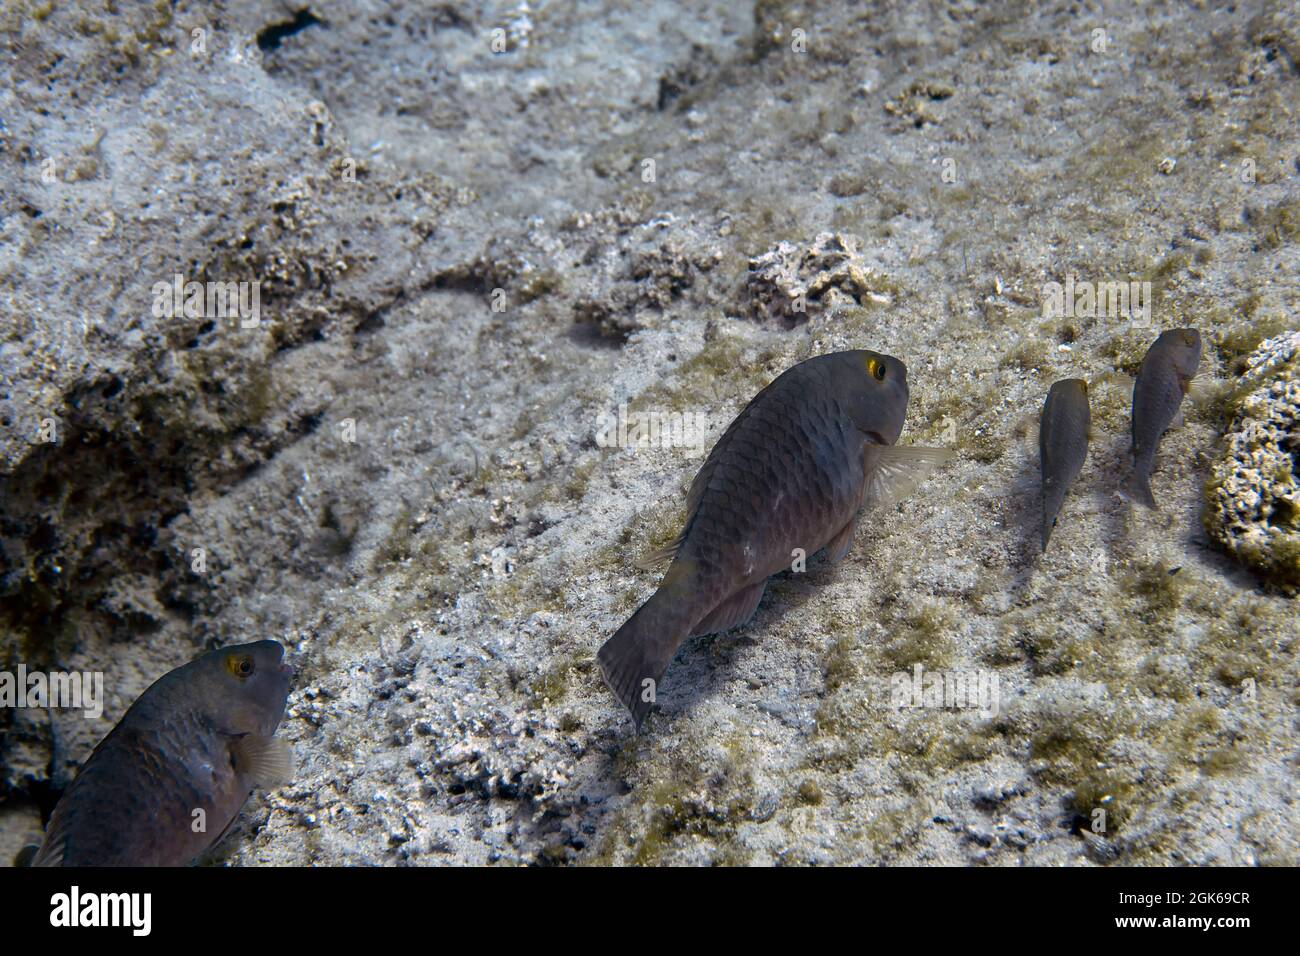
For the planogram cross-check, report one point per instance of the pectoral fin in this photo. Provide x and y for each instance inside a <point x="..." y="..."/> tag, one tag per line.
<point x="898" y="469"/>
<point x="267" y="760"/>
<point x="840" y="544"/>
<point x="1202" y="387"/>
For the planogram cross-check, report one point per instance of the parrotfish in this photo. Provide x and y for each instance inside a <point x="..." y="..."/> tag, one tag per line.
<point x="1063" y="434"/>
<point x="168" y="781"/>
<point x="1164" y="378"/>
<point x="788" y="478"/>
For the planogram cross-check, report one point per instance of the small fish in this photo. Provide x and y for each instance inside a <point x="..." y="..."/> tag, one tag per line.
<point x="1063" y="434"/>
<point x="168" y="781"/>
<point x="1164" y="378"/>
<point x="788" y="477"/>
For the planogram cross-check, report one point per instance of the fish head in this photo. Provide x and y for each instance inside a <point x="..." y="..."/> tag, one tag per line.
<point x="245" y="687"/>
<point x="874" y="387"/>
<point x="1184" y="347"/>
<point x="1073" y="387"/>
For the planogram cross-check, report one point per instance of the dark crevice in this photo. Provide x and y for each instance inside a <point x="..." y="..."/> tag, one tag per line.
<point x="268" y="38"/>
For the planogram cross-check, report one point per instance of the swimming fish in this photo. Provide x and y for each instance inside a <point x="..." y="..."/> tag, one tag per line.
<point x="1164" y="378"/>
<point x="1063" y="434"/>
<point x="168" y="781"/>
<point x="787" y="478"/>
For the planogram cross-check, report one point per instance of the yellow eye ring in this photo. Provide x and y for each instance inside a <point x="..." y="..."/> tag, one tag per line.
<point x="240" y="665"/>
<point x="877" y="369"/>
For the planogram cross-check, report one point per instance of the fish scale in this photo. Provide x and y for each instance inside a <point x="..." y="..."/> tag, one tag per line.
<point x="791" y="472"/>
<point x="777" y="490"/>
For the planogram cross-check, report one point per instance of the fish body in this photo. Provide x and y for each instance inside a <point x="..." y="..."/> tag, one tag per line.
<point x="1063" y="433"/>
<point x="1165" y="376"/>
<point x="166" y="783"/>
<point x="790" y="474"/>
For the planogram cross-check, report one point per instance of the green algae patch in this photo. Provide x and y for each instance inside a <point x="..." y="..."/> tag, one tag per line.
<point x="921" y="636"/>
<point x="1278" y="224"/>
<point x="1029" y="355"/>
<point x="552" y="684"/>
<point x="723" y="371"/>
<point x="1086" y="752"/>
<point x="1104" y="799"/>
<point x="700" y="793"/>
<point x="969" y="417"/>
<point x="1070" y="751"/>
<point x="810" y="793"/>
<point x="1111" y="164"/>
<point x="1236" y="343"/>
<point x="839" y="665"/>
<point x="1157" y="588"/>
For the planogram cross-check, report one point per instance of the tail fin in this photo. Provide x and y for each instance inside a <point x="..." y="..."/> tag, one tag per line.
<point x="1053" y="500"/>
<point x="1139" y="484"/>
<point x="633" y="661"/>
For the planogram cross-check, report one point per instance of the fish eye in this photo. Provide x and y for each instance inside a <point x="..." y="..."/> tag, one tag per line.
<point x="240" y="665"/>
<point x="877" y="369"/>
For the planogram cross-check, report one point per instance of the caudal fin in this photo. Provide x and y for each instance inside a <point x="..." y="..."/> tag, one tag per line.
<point x="634" y="660"/>
<point x="1139" y="489"/>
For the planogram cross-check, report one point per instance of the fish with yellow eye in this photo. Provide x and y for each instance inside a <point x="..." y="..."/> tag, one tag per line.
<point x="793" y="471"/>
<point x="169" y="780"/>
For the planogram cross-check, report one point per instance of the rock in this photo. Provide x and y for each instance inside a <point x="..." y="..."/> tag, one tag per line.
<point x="1252" y="498"/>
<point x="789" y="280"/>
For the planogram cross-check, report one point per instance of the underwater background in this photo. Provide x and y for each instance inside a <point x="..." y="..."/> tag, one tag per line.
<point x="481" y="232"/>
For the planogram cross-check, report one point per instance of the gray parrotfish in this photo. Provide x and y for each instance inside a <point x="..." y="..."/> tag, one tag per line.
<point x="167" y="782"/>
<point x="1063" y="434"/>
<point x="789" y="476"/>
<point x="1164" y="378"/>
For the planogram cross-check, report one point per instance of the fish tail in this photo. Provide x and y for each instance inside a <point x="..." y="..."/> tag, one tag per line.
<point x="1053" y="498"/>
<point x="634" y="660"/>
<point x="1139" y="488"/>
<point x="1139" y="483"/>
